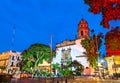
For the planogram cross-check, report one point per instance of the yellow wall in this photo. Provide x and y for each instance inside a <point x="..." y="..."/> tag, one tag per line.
<point x="110" y="61"/>
<point x="4" y="59"/>
<point x="44" y="66"/>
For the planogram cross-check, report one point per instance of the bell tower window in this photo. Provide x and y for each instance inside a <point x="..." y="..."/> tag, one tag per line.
<point x="82" y="33"/>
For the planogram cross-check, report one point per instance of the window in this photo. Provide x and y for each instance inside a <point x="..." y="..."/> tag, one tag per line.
<point x="81" y="33"/>
<point x="12" y="57"/>
<point x="81" y="25"/>
<point x="66" y="56"/>
<point x="12" y="64"/>
<point x="18" y="58"/>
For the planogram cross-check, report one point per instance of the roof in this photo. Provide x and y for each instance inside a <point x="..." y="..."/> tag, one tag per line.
<point x="66" y="43"/>
<point x="83" y="21"/>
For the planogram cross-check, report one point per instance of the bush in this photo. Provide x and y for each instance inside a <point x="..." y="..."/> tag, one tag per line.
<point x="66" y="72"/>
<point x="48" y="74"/>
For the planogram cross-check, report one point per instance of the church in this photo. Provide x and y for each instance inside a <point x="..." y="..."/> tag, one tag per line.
<point x="70" y="50"/>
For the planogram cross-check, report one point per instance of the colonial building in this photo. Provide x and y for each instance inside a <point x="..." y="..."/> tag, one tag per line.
<point x="44" y="66"/>
<point x="9" y="61"/>
<point x="70" y="50"/>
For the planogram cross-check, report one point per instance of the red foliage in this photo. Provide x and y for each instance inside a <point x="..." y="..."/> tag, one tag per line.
<point x="110" y="10"/>
<point x="112" y="42"/>
<point x="111" y="52"/>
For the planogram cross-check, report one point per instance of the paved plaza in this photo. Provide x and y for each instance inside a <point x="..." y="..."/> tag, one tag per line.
<point x="92" y="80"/>
<point x="64" y="80"/>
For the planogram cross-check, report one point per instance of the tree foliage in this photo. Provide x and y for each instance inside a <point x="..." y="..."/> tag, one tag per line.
<point x="78" y="66"/>
<point x="35" y="55"/>
<point x="112" y="41"/>
<point x="110" y="9"/>
<point x="92" y="45"/>
<point x="66" y="72"/>
<point x="88" y="44"/>
<point x="55" y="66"/>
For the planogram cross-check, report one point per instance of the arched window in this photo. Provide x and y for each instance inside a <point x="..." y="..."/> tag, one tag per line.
<point x="82" y="33"/>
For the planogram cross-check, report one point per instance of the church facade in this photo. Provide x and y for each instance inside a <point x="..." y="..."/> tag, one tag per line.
<point x="70" y="50"/>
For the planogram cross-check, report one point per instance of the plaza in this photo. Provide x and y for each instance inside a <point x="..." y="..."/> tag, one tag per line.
<point x="60" y="41"/>
<point x="80" y="79"/>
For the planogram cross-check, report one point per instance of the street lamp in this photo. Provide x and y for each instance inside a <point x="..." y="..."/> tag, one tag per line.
<point x="102" y="68"/>
<point x="114" y="66"/>
<point x="98" y="53"/>
<point x="51" y="56"/>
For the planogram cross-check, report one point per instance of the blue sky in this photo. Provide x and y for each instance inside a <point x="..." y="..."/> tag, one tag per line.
<point x="35" y="20"/>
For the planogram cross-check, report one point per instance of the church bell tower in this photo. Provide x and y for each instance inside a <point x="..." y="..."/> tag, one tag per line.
<point x="83" y="30"/>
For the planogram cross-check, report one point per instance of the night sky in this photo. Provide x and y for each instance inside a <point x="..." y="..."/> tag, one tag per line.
<point x="35" y="20"/>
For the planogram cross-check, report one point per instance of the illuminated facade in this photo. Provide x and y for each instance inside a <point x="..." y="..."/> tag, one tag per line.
<point x="4" y="60"/>
<point x="9" y="61"/>
<point x="44" y="66"/>
<point x="113" y="64"/>
<point x="70" y="50"/>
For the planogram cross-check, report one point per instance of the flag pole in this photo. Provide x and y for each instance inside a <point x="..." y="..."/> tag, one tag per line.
<point x="13" y="37"/>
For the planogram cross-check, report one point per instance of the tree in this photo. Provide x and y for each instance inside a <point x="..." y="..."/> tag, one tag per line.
<point x="55" y="66"/>
<point x="66" y="72"/>
<point x="110" y="10"/>
<point x="92" y="45"/>
<point x="35" y="55"/>
<point x="89" y="45"/>
<point x="112" y="41"/>
<point x="78" y="67"/>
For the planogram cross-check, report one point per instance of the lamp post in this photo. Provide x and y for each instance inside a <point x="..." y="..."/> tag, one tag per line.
<point x="97" y="52"/>
<point x="102" y="68"/>
<point x="114" y="66"/>
<point x="51" y="56"/>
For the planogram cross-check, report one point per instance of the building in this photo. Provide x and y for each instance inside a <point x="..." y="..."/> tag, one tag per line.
<point x="112" y="40"/>
<point x="44" y="66"/>
<point x="9" y="61"/>
<point x="70" y="50"/>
